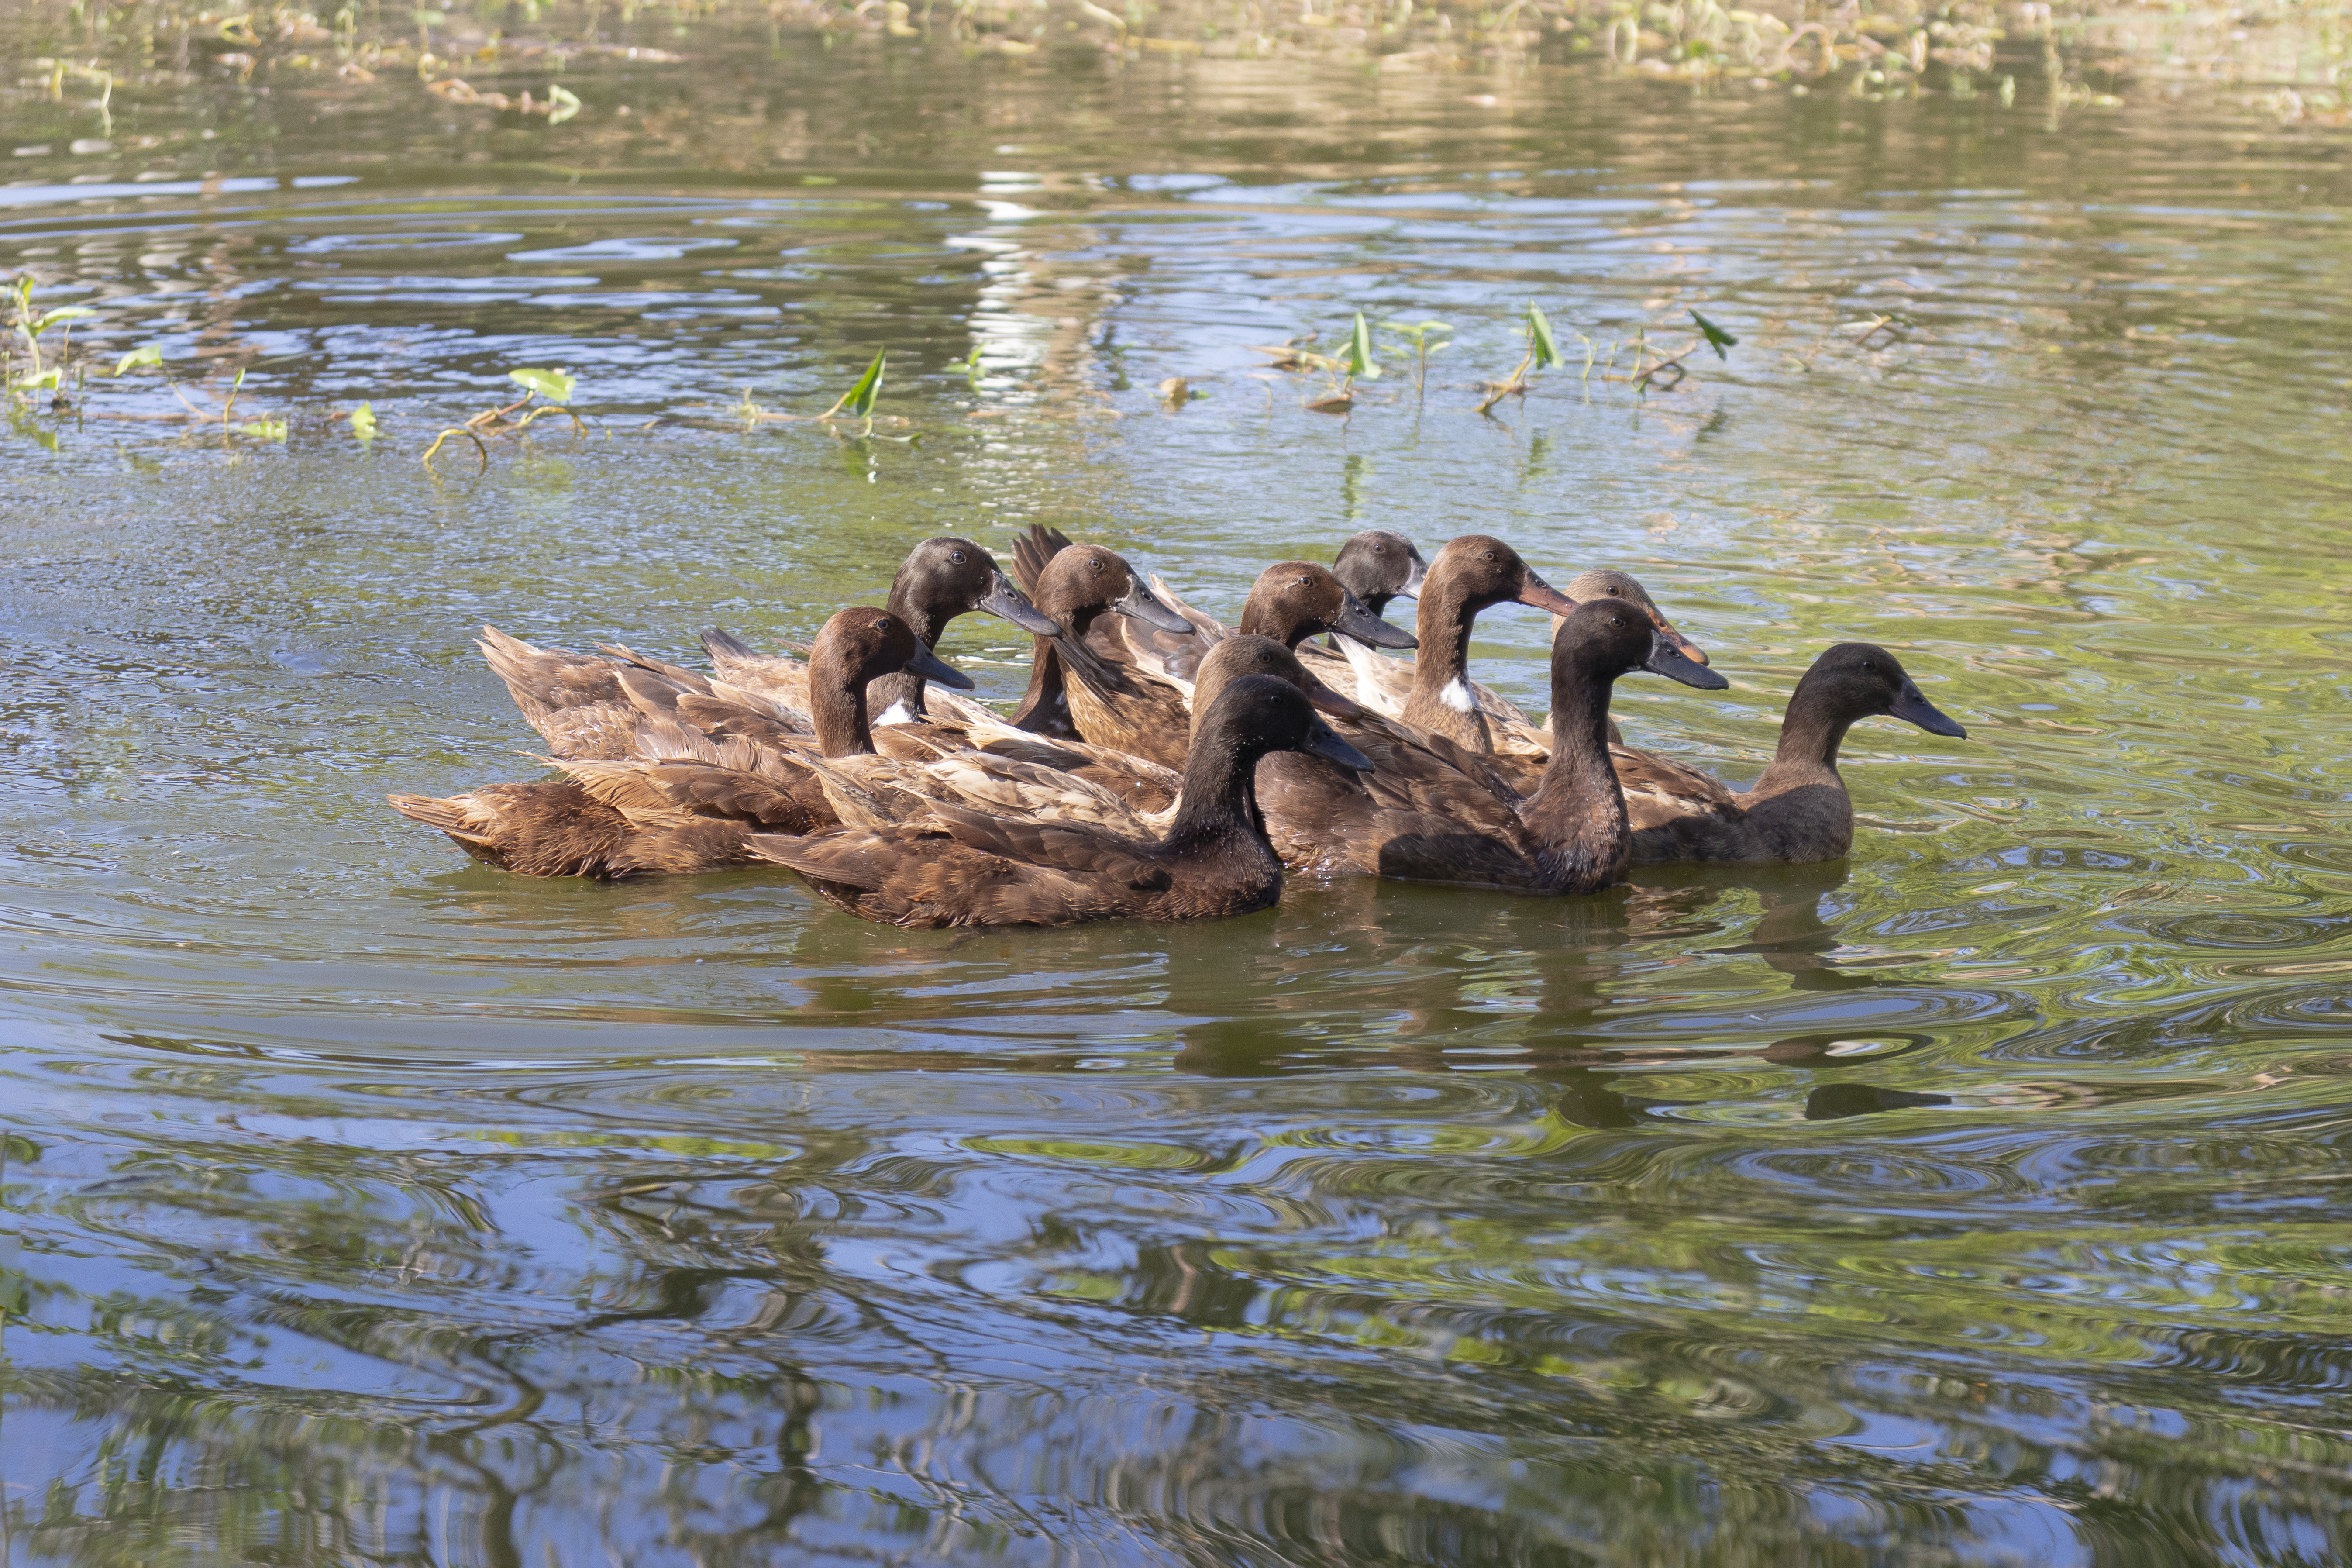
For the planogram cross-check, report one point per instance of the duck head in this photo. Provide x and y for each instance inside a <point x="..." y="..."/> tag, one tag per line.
<point x="1609" y="584"/>
<point x="1084" y="581"/>
<point x="1478" y="571"/>
<point x="1255" y="714"/>
<point x="1606" y="638"/>
<point x="1862" y="680"/>
<point x="1378" y="566"/>
<point x="1249" y="654"/>
<point x="856" y="647"/>
<point x="1293" y="600"/>
<point x="945" y="577"/>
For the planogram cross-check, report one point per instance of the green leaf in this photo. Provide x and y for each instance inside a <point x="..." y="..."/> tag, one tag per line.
<point x="555" y="385"/>
<point x="150" y="354"/>
<point x="565" y="104"/>
<point x="68" y="313"/>
<point x="47" y="381"/>
<point x="1717" y="338"/>
<point x="1540" y="340"/>
<point x="364" y="422"/>
<point x="267" y="429"/>
<point x="1358" y="358"/>
<point x="858" y="401"/>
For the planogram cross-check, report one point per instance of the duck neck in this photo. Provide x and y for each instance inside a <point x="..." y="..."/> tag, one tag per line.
<point x="838" y="704"/>
<point x="1578" y="809"/>
<point x="1442" y="625"/>
<point x="1220" y="798"/>
<point x="899" y="697"/>
<point x="1812" y="730"/>
<point x="1266" y="618"/>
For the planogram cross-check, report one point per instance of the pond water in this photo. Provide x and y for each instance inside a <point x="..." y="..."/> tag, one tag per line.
<point x="1978" y="1199"/>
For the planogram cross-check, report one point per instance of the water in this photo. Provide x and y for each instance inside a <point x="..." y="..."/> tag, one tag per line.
<point x="1975" y="1200"/>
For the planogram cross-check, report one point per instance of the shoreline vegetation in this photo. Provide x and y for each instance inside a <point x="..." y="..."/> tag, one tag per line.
<point x="2291" y="57"/>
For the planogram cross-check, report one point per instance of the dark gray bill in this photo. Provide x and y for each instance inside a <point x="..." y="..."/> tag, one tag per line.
<point x="1144" y="605"/>
<point x="1367" y="627"/>
<point x="1543" y="596"/>
<point x="1669" y="661"/>
<point x="1320" y="741"/>
<point x="1325" y="699"/>
<point x="1420" y="574"/>
<point x="1914" y="709"/>
<point x="1003" y="599"/>
<point x="931" y="667"/>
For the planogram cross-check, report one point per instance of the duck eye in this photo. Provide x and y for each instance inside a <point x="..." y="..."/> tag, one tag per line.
<point x="957" y="557"/>
<point x="1614" y="592"/>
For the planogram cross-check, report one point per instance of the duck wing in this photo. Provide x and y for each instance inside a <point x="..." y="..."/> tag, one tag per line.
<point x="1033" y="549"/>
<point x="552" y="827"/>
<point x="785" y="680"/>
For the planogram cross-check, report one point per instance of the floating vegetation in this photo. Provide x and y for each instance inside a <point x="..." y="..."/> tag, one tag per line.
<point x="555" y="385"/>
<point x="857" y="403"/>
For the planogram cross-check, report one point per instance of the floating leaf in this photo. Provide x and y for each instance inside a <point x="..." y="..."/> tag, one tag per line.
<point x="19" y="1150"/>
<point x="1540" y="340"/>
<point x="364" y="422"/>
<point x="858" y="401"/>
<point x="562" y="104"/>
<point x="1358" y="358"/>
<point x="1717" y="338"/>
<point x="555" y="385"/>
<point x="68" y="313"/>
<point x="264" y="429"/>
<point x="150" y="354"/>
<point x="47" y="381"/>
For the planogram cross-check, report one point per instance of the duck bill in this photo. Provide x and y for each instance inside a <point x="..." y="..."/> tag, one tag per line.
<point x="1420" y="575"/>
<point x="1003" y="599"/>
<point x="931" y="666"/>
<point x="1688" y="649"/>
<point x="1321" y="743"/>
<point x="1148" y="607"/>
<point x="1328" y="700"/>
<point x="1354" y="620"/>
<point x="1914" y="709"/>
<point x="1669" y="661"/>
<point x="1544" y="596"/>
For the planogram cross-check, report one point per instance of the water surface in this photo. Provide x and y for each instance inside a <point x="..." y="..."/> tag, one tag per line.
<point x="1978" y="1199"/>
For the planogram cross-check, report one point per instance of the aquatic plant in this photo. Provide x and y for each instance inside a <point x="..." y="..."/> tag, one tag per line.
<point x="46" y="372"/>
<point x="555" y="385"/>
<point x="1543" y="354"/>
<point x="857" y="403"/>
<point x="1418" y="335"/>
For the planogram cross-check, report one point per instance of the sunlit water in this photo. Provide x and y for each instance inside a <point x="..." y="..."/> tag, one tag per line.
<point x="1979" y="1199"/>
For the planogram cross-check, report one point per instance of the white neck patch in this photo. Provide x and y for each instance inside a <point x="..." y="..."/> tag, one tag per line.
<point x="1458" y="696"/>
<point x="1372" y="689"/>
<point x="896" y="714"/>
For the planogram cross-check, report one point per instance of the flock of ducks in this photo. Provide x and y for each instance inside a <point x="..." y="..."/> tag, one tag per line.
<point x="1161" y="765"/>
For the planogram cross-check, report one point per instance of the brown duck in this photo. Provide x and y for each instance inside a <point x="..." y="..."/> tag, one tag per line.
<point x="1435" y="812"/>
<point x="1079" y="688"/>
<point x="976" y="869"/>
<point x="689" y="794"/>
<point x="1800" y="809"/>
<point x="941" y="579"/>
<point x="1290" y="602"/>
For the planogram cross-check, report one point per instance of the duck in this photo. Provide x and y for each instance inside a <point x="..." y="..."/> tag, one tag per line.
<point x="1799" y="810"/>
<point x="1290" y="601"/>
<point x="690" y="794"/>
<point x="1435" y="812"/>
<point x="941" y="578"/>
<point x="1378" y="567"/>
<point x="975" y="869"/>
<point x="1492" y="723"/>
<point x="1012" y="774"/>
<point x="1141" y="709"/>
<point x="1078" y="686"/>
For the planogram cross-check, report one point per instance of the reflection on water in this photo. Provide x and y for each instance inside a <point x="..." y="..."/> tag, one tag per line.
<point x="1973" y="1200"/>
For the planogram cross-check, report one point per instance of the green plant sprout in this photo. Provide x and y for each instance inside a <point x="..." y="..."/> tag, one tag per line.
<point x="857" y="403"/>
<point x="1418" y="334"/>
<point x="45" y="374"/>
<point x="555" y="385"/>
<point x="1543" y="354"/>
<point x="362" y="422"/>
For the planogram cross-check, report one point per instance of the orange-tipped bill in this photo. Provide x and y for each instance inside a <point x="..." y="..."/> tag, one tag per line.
<point x="1544" y="596"/>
